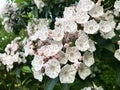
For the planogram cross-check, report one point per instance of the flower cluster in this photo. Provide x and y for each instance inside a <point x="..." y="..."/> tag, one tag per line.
<point x="54" y="52"/>
<point x="67" y="49"/>
<point x="117" y="7"/>
<point x="8" y="9"/>
<point x="12" y="54"/>
<point x="117" y="14"/>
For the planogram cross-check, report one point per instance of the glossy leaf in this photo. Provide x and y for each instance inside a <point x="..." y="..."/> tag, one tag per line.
<point x="26" y="69"/>
<point x="50" y="83"/>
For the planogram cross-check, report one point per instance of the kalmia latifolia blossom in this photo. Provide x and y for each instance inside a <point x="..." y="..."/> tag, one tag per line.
<point x="117" y="9"/>
<point x="66" y="50"/>
<point x="13" y="54"/>
<point x="8" y="12"/>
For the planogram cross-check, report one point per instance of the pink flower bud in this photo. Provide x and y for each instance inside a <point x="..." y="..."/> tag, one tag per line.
<point x="66" y="45"/>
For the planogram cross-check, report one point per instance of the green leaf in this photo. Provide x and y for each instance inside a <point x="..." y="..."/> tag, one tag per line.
<point x="26" y="69"/>
<point x="35" y="12"/>
<point x="17" y="72"/>
<point x="20" y="1"/>
<point x="26" y="81"/>
<point x="50" y="83"/>
<point x="118" y="73"/>
<point x="78" y="84"/>
<point x="106" y="44"/>
<point x="65" y="87"/>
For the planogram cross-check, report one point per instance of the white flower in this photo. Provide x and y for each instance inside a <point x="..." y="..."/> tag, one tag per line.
<point x="108" y="15"/>
<point x="67" y="74"/>
<point x="30" y="28"/>
<point x="8" y="49"/>
<point x="88" y="58"/>
<point x="50" y="50"/>
<point x="8" y="27"/>
<point x="28" y="49"/>
<point x="117" y="54"/>
<point x="112" y="22"/>
<point x="86" y="88"/>
<point x="38" y="29"/>
<point x="33" y="37"/>
<point x="42" y="33"/>
<point x="111" y="17"/>
<point x="84" y="71"/>
<point x="37" y="62"/>
<point x="117" y="5"/>
<point x="66" y="25"/>
<point x="42" y="22"/>
<point x="85" y="5"/>
<point x="4" y="7"/>
<point x="39" y="3"/>
<point x="11" y="48"/>
<point x="62" y="58"/>
<point x="38" y="75"/>
<point x="69" y="13"/>
<point x="57" y="34"/>
<point x="70" y="26"/>
<point x="92" y="46"/>
<point x="20" y="57"/>
<point x="15" y="6"/>
<point x="16" y="56"/>
<point x="97" y="11"/>
<point x="59" y="22"/>
<point x="97" y="88"/>
<point x="9" y="67"/>
<point x="8" y="59"/>
<point x="8" y="24"/>
<point x="81" y="17"/>
<point x="91" y="27"/>
<point x="105" y="26"/>
<point x="58" y="44"/>
<point x="82" y="43"/>
<point x="116" y="12"/>
<point x="5" y="20"/>
<point x="108" y="35"/>
<point x="52" y="68"/>
<point x="73" y="54"/>
<point x="118" y="26"/>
